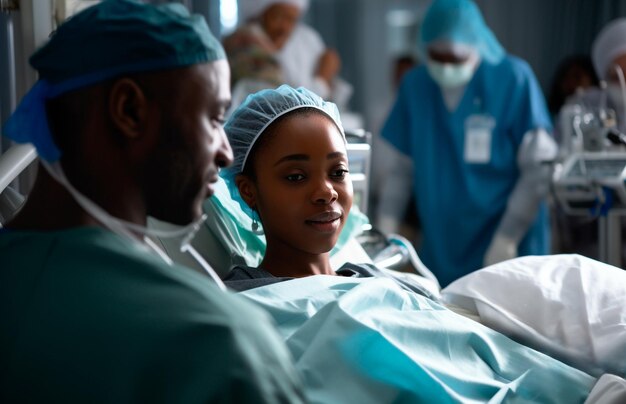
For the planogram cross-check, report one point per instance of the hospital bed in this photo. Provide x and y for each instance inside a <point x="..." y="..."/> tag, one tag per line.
<point x="559" y="305"/>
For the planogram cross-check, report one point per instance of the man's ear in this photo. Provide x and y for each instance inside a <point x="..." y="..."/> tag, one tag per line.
<point x="247" y="189"/>
<point x="128" y="107"/>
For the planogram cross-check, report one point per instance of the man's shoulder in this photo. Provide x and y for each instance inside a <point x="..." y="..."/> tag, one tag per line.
<point x="95" y="274"/>
<point x="138" y="318"/>
<point x="96" y="262"/>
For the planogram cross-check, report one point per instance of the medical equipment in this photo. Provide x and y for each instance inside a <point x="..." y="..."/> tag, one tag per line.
<point x="359" y="158"/>
<point x="590" y="178"/>
<point x="585" y="182"/>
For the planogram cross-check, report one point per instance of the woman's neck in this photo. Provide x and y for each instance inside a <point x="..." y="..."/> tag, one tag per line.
<point x="296" y="264"/>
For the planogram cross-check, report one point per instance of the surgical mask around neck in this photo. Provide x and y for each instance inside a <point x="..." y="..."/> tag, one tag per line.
<point x="449" y="75"/>
<point x="135" y="231"/>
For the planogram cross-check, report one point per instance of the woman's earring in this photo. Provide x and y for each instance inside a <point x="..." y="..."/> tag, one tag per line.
<point x="255" y="224"/>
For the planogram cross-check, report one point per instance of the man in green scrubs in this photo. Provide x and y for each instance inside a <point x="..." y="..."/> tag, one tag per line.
<point x="127" y="120"/>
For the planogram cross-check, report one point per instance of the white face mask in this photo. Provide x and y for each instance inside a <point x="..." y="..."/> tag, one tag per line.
<point x="449" y="75"/>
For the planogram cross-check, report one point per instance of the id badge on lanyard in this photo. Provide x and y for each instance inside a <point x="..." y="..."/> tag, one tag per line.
<point x="478" y="134"/>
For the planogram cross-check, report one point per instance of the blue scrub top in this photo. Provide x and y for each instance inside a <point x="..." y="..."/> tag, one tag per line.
<point x="460" y="204"/>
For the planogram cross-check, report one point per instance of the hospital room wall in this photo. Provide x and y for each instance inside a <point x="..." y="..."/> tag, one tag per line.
<point x="545" y="32"/>
<point x="541" y="32"/>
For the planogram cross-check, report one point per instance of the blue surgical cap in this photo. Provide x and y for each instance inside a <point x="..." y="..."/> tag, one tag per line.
<point x="107" y="40"/>
<point x="250" y="120"/>
<point x="459" y="21"/>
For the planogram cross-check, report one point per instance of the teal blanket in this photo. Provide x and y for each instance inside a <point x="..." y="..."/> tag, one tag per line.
<point x="369" y="341"/>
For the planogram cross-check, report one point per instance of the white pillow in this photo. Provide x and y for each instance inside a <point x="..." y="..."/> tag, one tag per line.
<point x="568" y="306"/>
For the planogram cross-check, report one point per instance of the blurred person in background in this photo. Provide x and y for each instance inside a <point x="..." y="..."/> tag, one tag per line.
<point x="573" y="74"/>
<point x="392" y="170"/>
<point x="473" y="120"/>
<point x="273" y="46"/>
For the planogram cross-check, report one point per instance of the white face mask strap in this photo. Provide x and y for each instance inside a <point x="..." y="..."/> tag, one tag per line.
<point x="118" y="225"/>
<point x="125" y="228"/>
<point x="56" y="171"/>
<point x="148" y="241"/>
<point x="188" y="248"/>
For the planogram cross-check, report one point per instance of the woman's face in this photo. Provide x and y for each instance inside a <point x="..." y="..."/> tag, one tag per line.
<point x="302" y="191"/>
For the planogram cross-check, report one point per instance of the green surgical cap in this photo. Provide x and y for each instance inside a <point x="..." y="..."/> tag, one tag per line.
<point x="125" y="36"/>
<point x="112" y="38"/>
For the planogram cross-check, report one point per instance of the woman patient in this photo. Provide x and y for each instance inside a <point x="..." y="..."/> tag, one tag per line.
<point x="291" y="176"/>
<point x="369" y="341"/>
<point x="357" y="340"/>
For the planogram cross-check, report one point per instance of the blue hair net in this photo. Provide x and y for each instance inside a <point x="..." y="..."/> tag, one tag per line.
<point x="255" y="115"/>
<point x="459" y="21"/>
<point x="111" y="38"/>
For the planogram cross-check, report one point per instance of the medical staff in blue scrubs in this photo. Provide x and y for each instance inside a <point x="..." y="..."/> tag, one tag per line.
<point x="474" y="121"/>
